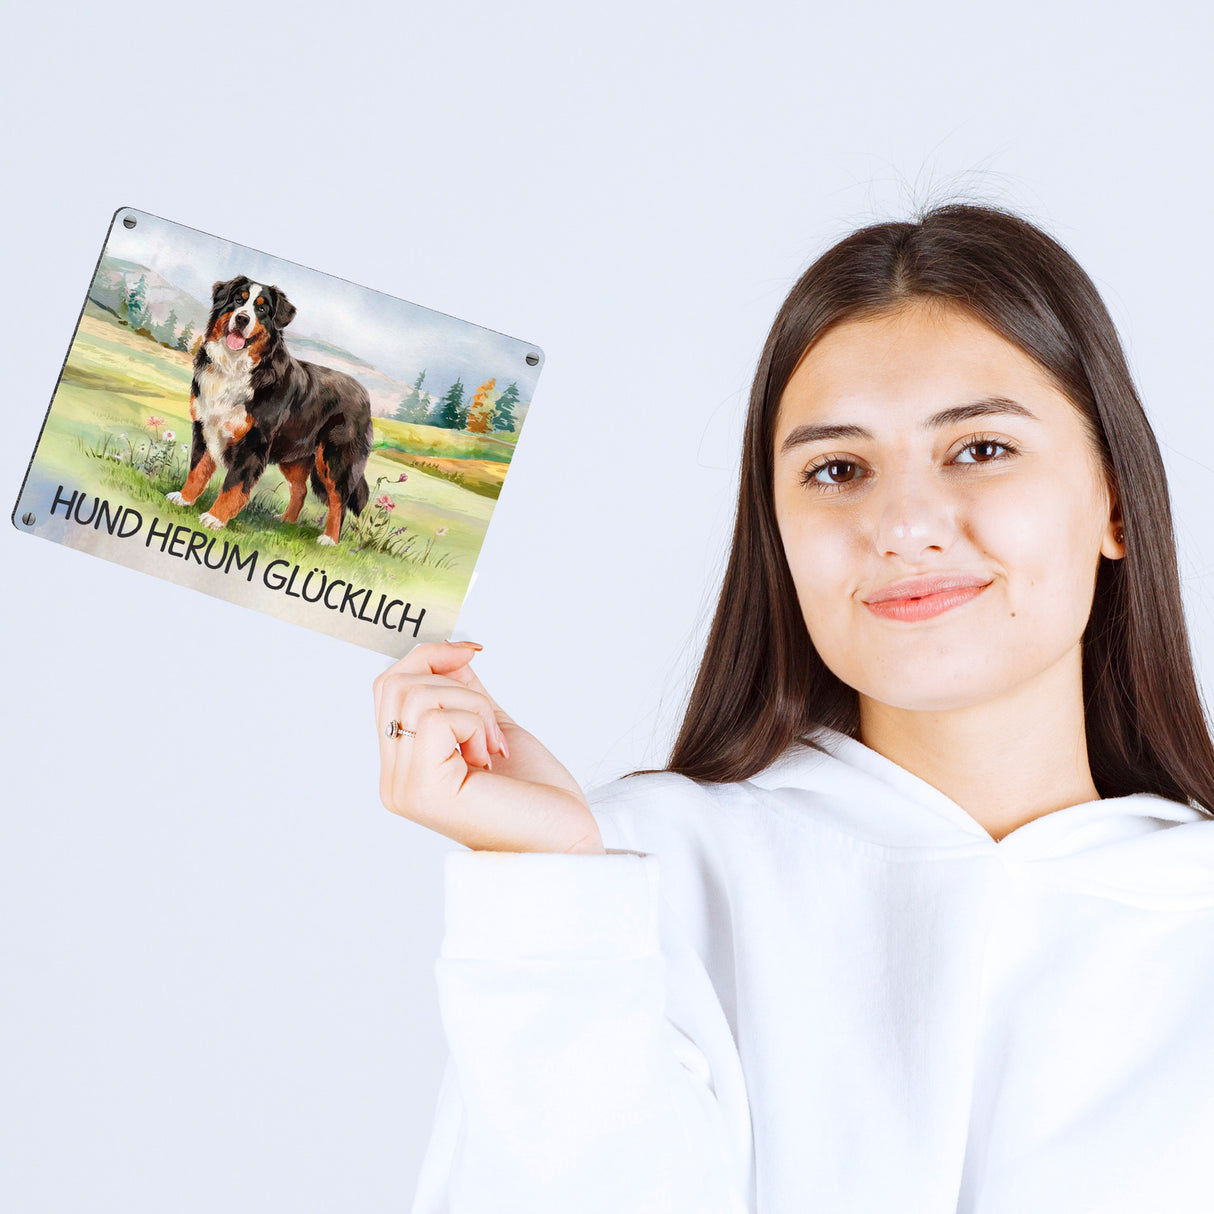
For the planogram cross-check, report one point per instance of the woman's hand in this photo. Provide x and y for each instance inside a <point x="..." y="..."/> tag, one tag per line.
<point x="471" y="773"/>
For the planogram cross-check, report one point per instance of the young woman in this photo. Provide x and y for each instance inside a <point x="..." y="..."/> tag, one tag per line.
<point x="920" y="914"/>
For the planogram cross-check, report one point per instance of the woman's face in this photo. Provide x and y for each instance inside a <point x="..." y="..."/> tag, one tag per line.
<point x="951" y="454"/>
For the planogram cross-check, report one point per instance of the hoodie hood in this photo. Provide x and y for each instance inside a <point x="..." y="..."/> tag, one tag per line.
<point x="1141" y="849"/>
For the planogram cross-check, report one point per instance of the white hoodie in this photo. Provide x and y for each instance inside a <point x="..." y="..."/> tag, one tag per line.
<point x="828" y="989"/>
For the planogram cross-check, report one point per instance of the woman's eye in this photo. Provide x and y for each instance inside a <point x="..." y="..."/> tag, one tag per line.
<point x="984" y="443"/>
<point x="832" y="468"/>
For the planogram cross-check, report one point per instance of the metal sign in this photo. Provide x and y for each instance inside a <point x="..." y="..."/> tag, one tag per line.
<point x="277" y="437"/>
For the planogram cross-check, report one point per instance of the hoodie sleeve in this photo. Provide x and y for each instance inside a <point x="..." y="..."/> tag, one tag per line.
<point x="568" y="1087"/>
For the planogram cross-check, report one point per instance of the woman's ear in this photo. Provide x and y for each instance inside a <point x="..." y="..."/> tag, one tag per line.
<point x="1113" y="544"/>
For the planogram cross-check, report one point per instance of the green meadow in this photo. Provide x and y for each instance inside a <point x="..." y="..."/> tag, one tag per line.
<point x="119" y="427"/>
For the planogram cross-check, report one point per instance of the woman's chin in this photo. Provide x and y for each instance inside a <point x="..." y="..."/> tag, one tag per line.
<point x="931" y="694"/>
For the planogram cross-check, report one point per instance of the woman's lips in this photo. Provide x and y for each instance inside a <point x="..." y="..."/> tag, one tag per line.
<point x="925" y="607"/>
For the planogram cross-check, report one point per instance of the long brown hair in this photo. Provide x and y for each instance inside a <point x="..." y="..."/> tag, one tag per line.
<point x="762" y="685"/>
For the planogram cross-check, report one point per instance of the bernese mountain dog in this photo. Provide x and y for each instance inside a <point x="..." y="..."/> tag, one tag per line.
<point x="253" y="404"/>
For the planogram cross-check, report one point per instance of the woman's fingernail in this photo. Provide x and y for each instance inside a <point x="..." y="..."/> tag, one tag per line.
<point x="470" y="644"/>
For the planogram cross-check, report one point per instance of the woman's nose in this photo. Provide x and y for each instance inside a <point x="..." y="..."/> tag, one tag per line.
<point x="913" y="514"/>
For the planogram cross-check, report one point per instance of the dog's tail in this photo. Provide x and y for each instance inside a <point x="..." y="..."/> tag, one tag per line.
<point x="356" y="499"/>
<point x="358" y="495"/>
<point x="359" y="489"/>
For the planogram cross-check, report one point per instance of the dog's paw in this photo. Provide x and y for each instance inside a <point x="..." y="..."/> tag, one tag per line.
<point x="325" y="542"/>
<point x="176" y="498"/>
<point x="209" y="520"/>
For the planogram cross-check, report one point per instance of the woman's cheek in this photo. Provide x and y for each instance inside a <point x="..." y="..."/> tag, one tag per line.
<point x="1031" y="534"/>
<point x="823" y="570"/>
<point x="1012" y="526"/>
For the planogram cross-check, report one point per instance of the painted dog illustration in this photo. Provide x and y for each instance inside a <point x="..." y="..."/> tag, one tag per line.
<point x="253" y="404"/>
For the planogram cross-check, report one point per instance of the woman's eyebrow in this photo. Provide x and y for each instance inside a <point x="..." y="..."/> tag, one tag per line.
<point x="988" y="405"/>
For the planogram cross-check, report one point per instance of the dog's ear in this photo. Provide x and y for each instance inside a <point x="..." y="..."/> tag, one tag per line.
<point x="284" y="309"/>
<point x="221" y="289"/>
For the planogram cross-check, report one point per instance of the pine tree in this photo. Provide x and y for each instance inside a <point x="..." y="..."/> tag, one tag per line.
<point x="187" y="336"/>
<point x="168" y="331"/>
<point x="450" y="412"/>
<point x="137" y="303"/>
<point x="503" y="416"/>
<point x="481" y="408"/>
<point x="414" y="410"/>
<point x="414" y="406"/>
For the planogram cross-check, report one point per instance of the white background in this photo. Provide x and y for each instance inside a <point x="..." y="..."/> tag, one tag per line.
<point x="216" y="945"/>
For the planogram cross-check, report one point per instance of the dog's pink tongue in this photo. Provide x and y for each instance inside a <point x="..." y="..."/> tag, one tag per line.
<point x="235" y="341"/>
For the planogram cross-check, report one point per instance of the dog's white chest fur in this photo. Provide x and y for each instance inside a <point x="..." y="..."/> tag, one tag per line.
<point x="224" y="393"/>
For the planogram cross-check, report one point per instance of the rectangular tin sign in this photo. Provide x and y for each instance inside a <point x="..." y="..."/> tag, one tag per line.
<point x="277" y="437"/>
